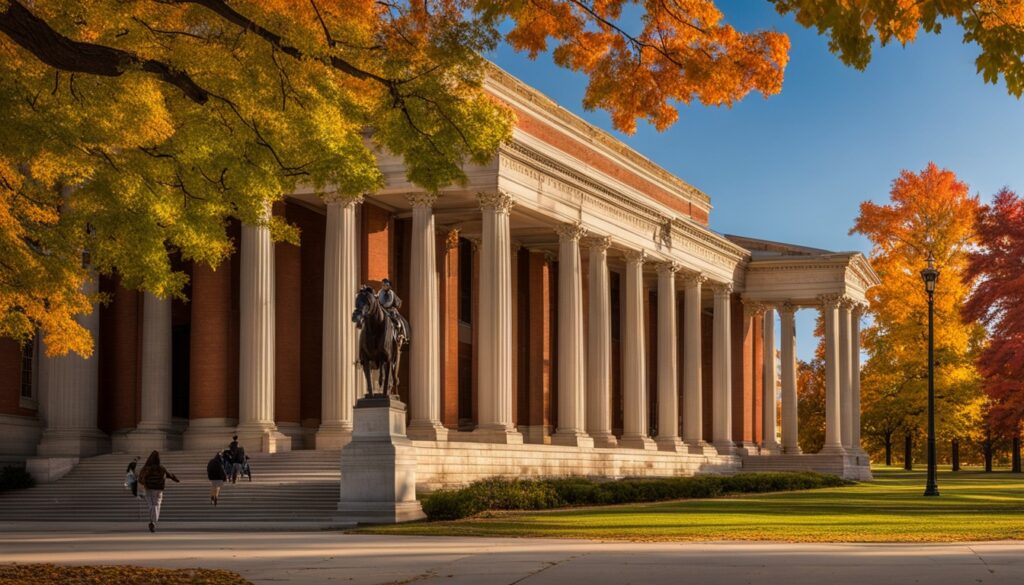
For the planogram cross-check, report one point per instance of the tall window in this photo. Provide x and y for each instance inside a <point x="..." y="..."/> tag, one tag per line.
<point x="28" y="358"/>
<point x="465" y="280"/>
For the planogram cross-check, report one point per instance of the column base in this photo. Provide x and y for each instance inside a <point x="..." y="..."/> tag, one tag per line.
<point x="536" y="434"/>
<point x="702" y="448"/>
<point x="645" y="443"/>
<point x="497" y="434"/>
<point x="572" y="439"/>
<point x="746" y="448"/>
<point x="792" y="450"/>
<point x="725" y="447"/>
<point x="142" y="441"/>
<point x="671" y="444"/>
<point x="49" y="469"/>
<point x="379" y="512"/>
<point x="425" y="430"/>
<point x="293" y="431"/>
<point x="73" y="443"/>
<point x="832" y="450"/>
<point x="208" y="434"/>
<point x="604" y="441"/>
<point x="771" y="448"/>
<point x="332" y="436"/>
<point x="263" y="438"/>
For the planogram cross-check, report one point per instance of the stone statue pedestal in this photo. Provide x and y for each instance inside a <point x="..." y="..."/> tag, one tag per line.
<point x="378" y="467"/>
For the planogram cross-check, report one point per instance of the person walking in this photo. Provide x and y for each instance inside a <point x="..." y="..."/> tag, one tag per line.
<point x="131" y="477"/>
<point x="215" y="473"/>
<point x="153" y="477"/>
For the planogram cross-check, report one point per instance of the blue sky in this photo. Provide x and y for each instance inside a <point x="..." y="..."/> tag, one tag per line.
<point x="796" y="166"/>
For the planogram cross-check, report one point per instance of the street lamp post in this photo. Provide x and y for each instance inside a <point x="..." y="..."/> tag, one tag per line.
<point x="930" y="276"/>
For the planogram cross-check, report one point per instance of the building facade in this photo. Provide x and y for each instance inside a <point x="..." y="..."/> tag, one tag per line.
<point x="571" y="313"/>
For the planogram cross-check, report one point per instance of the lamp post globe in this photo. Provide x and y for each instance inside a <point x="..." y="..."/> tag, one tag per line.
<point x="930" y="276"/>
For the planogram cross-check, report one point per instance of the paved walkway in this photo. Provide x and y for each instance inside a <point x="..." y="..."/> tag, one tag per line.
<point x="332" y="557"/>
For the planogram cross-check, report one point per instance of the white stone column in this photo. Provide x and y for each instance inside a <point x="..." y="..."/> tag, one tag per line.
<point x="339" y="351"/>
<point x="769" y="444"/>
<point x="256" y="428"/>
<point x="634" y="362"/>
<point x="668" y="375"/>
<point x="599" y="346"/>
<point x="153" y="430"/>
<point x="721" y="363"/>
<point x="790" y="419"/>
<point x="855" y="315"/>
<point x="495" y="339"/>
<point x="693" y="383"/>
<point x="571" y="369"/>
<point x="70" y="401"/>
<point x="424" y="320"/>
<point x="845" y="375"/>
<point x="833" y="416"/>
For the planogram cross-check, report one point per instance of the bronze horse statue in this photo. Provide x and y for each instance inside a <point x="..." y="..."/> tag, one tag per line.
<point x="380" y="346"/>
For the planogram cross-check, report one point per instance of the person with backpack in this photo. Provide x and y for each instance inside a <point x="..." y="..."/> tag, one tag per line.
<point x="217" y="476"/>
<point x="153" y="477"/>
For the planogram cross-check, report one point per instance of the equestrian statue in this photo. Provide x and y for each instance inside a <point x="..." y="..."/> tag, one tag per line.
<point x="383" y="332"/>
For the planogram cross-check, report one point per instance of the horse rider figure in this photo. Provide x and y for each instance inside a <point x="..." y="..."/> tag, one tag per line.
<point x="391" y="302"/>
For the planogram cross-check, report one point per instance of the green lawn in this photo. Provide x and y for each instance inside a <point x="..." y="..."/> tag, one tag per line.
<point x="973" y="506"/>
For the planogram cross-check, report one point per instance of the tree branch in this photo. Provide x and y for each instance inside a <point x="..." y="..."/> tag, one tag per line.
<point x="58" y="51"/>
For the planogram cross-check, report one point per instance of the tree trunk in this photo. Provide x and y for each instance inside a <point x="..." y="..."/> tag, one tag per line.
<point x="888" y="450"/>
<point x="955" y="459"/>
<point x="1015" y="456"/>
<point x="987" y="448"/>
<point x="908" y="452"/>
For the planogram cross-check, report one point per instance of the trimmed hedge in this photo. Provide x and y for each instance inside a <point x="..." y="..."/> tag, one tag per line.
<point x="543" y="494"/>
<point x="15" y="478"/>
<point x="115" y="575"/>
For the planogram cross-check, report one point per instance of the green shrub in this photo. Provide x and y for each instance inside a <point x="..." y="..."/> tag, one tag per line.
<point x="15" y="478"/>
<point x="542" y="494"/>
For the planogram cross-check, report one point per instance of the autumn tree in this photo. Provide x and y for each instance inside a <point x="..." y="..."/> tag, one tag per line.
<point x="929" y="213"/>
<point x="853" y="28"/>
<point x="131" y="127"/>
<point x="997" y="301"/>
<point x="810" y="395"/>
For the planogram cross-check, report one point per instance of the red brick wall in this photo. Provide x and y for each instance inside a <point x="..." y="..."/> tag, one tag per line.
<point x="448" y="297"/>
<point x="119" y="374"/>
<point x="311" y="302"/>
<point x="376" y="245"/>
<point x="742" y="373"/>
<point x="287" y="324"/>
<point x="10" y="378"/>
<point x="541" y="290"/>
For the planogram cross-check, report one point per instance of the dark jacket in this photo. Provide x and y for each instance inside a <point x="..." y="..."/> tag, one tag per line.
<point x="154" y="478"/>
<point x="215" y="470"/>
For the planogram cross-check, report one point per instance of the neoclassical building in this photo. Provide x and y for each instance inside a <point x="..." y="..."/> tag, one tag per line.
<point x="571" y="310"/>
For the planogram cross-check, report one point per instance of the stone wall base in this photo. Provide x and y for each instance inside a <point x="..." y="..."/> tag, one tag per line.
<point x="19" y="436"/>
<point x="454" y="464"/>
<point x="49" y="469"/>
<point x="852" y="467"/>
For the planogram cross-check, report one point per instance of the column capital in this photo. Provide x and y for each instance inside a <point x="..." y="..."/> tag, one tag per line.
<point x="694" y="279"/>
<point x="421" y="199"/>
<point x="787" y="307"/>
<point x="550" y="257"/>
<point x="667" y="266"/>
<point x="830" y="301"/>
<point x="451" y="239"/>
<point x="570" y="231"/>
<point x="498" y="201"/>
<point x="474" y="243"/>
<point x="638" y="256"/>
<point x="859" y="308"/>
<point x="342" y="199"/>
<point x="595" y="242"/>
<point x="755" y="308"/>
<point x="721" y="288"/>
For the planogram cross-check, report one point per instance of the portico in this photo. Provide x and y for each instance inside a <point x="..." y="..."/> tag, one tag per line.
<point x="570" y="298"/>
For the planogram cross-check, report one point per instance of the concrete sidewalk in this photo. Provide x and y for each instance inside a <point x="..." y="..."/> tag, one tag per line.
<point x="333" y="557"/>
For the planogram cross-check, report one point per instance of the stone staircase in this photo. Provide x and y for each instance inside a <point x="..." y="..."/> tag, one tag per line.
<point x="297" y="486"/>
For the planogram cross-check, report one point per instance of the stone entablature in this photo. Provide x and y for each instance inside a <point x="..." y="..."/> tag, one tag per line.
<point x="540" y="117"/>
